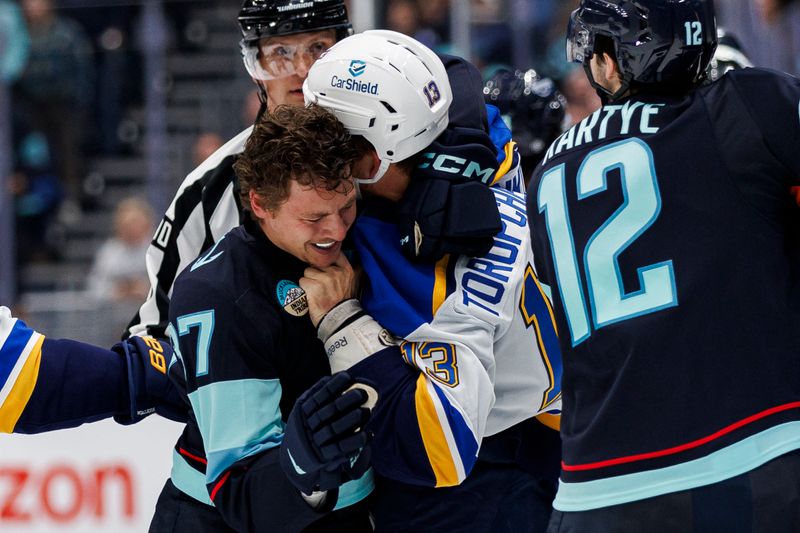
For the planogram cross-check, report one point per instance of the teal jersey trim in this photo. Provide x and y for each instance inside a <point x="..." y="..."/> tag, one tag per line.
<point x="356" y="490"/>
<point x="188" y="480"/>
<point x="237" y="419"/>
<point x="723" y="464"/>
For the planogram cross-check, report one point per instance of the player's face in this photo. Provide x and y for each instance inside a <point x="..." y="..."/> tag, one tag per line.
<point x="299" y="52"/>
<point x="312" y="223"/>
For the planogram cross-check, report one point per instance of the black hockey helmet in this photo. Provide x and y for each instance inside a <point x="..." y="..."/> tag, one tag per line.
<point x="263" y="18"/>
<point x="532" y="104"/>
<point x="664" y="42"/>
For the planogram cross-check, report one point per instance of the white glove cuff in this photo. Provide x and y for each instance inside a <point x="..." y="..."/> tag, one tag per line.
<point x="348" y="341"/>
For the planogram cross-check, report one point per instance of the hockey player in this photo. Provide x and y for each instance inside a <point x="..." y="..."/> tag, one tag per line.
<point x="455" y="443"/>
<point x="533" y="106"/>
<point x="246" y="351"/>
<point x="280" y="40"/>
<point x="664" y="225"/>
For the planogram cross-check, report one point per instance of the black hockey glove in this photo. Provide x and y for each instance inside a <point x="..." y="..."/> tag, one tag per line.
<point x="149" y="388"/>
<point x="324" y="443"/>
<point x="448" y="206"/>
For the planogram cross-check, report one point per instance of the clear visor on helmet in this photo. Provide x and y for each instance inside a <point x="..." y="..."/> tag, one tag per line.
<point x="580" y="44"/>
<point x="271" y="58"/>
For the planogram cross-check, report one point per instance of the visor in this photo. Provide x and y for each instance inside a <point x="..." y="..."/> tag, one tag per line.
<point x="270" y="61"/>
<point x="580" y="44"/>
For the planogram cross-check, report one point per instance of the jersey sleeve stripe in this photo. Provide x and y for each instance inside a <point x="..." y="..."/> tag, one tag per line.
<point x="551" y="420"/>
<point x="440" y="283"/>
<point x="507" y="163"/>
<point x="237" y="419"/>
<point x="19" y="387"/>
<point x="462" y="435"/>
<point x="433" y="437"/>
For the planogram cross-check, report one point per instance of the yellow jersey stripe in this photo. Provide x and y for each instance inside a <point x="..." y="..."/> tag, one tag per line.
<point x="507" y="162"/>
<point x="440" y="283"/>
<point x="11" y="409"/>
<point x="550" y="420"/>
<point x="433" y="437"/>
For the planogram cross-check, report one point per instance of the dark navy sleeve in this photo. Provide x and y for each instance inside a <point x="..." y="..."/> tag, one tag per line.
<point x="773" y="100"/>
<point x="70" y="383"/>
<point x="233" y="386"/>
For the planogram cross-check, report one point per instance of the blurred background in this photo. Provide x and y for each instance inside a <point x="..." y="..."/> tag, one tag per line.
<point x="105" y="106"/>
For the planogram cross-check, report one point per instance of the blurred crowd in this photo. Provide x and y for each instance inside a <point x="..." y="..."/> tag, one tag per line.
<point x="73" y="67"/>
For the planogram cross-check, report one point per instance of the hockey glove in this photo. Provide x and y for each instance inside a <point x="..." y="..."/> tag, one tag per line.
<point x="149" y="388"/>
<point x="448" y="206"/>
<point x="324" y="444"/>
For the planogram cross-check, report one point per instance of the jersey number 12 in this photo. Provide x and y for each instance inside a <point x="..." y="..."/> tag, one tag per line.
<point x="642" y="204"/>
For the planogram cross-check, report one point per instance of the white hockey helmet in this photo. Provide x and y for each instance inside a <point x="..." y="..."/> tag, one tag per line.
<point x="385" y="86"/>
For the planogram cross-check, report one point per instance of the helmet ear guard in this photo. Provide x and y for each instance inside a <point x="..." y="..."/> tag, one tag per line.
<point x="386" y="87"/>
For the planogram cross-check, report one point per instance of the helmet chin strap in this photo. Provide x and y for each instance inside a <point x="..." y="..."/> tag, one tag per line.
<point x="262" y="97"/>
<point x="605" y="95"/>
<point x="382" y="168"/>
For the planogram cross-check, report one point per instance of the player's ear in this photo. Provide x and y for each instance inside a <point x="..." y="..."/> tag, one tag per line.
<point x="610" y="68"/>
<point x="257" y="205"/>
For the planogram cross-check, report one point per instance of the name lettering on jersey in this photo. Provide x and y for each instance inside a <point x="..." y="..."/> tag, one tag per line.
<point x="484" y="281"/>
<point x="631" y="118"/>
<point x="457" y="165"/>
<point x="349" y="84"/>
<point x="292" y="298"/>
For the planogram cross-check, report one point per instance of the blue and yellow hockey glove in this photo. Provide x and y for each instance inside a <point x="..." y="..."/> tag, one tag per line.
<point x="149" y="388"/>
<point x="324" y="444"/>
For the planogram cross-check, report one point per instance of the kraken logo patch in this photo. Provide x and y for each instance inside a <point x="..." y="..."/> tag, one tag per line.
<point x="292" y="298"/>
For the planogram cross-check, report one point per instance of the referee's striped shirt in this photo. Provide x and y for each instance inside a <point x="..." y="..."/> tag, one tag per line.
<point x="205" y="208"/>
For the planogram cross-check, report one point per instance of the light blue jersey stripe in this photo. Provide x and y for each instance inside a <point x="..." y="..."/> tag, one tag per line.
<point x="188" y="480"/>
<point x="723" y="464"/>
<point x="356" y="490"/>
<point x="237" y="419"/>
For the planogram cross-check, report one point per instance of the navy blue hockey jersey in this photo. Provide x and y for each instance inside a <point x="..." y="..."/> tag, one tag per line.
<point x="246" y="350"/>
<point x="668" y="234"/>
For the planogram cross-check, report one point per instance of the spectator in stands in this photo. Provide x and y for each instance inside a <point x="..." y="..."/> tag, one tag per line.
<point x="14" y="41"/>
<point x="56" y="87"/>
<point x="37" y="195"/>
<point x="119" y="273"/>
<point x="204" y="145"/>
<point x="403" y="16"/>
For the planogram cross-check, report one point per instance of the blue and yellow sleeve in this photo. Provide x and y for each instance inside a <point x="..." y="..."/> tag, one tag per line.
<point x="48" y="384"/>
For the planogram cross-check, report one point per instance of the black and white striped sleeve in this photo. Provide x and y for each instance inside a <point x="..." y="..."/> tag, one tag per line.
<point x="204" y="209"/>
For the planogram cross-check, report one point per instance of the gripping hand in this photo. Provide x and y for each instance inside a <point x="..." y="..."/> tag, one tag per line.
<point x="149" y="388"/>
<point x="448" y="206"/>
<point x="324" y="444"/>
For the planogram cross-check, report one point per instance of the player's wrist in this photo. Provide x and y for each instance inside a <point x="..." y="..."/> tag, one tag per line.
<point x="350" y="335"/>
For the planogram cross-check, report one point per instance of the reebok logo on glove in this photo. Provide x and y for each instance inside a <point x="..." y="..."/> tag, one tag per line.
<point x="335" y="345"/>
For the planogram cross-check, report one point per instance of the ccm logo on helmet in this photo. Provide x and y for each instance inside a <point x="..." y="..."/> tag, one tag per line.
<point x="350" y="84"/>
